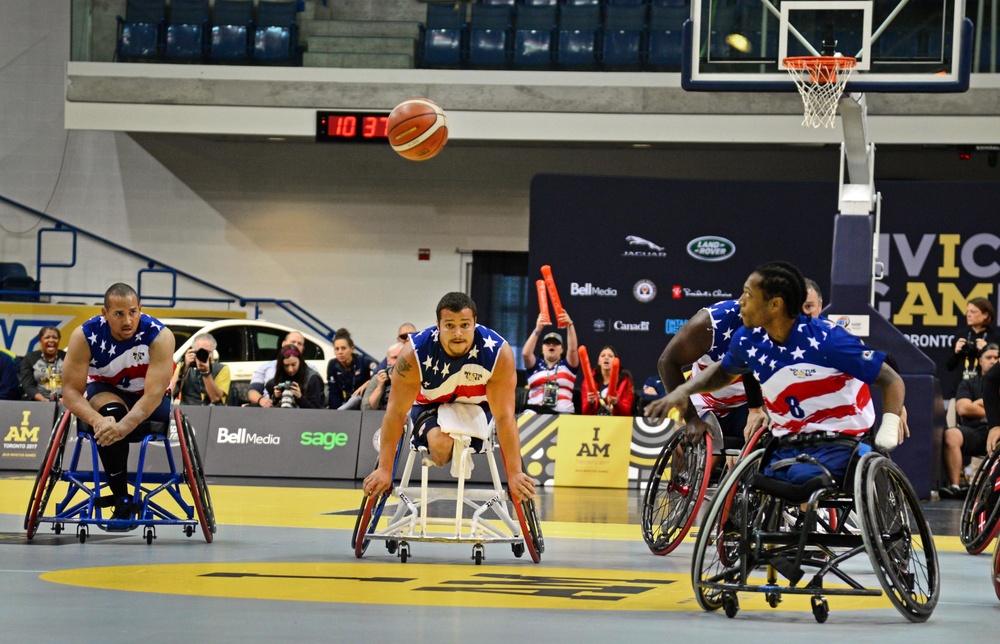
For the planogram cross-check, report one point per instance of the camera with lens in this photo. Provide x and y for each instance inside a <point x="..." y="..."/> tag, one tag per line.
<point x="287" y="399"/>
<point x="202" y="355"/>
<point x="970" y="350"/>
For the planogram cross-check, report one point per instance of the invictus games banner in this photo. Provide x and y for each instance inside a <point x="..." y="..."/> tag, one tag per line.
<point x="26" y="427"/>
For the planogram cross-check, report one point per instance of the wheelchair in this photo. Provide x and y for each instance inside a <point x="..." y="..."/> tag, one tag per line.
<point x="980" y="520"/>
<point x="755" y="530"/>
<point x="996" y="569"/>
<point x="83" y="504"/>
<point x="679" y="483"/>
<point x="410" y="519"/>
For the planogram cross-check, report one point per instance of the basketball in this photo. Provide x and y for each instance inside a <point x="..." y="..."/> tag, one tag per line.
<point x="417" y="129"/>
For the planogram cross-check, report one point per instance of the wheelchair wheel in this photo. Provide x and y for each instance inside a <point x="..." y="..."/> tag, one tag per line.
<point x="194" y="474"/>
<point x="721" y="538"/>
<point x="368" y="516"/>
<point x="981" y="511"/>
<point x="897" y="537"/>
<point x="531" y="529"/>
<point x="48" y="474"/>
<point x="996" y="570"/>
<point x="675" y="491"/>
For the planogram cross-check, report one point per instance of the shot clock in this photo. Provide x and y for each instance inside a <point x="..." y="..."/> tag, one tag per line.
<point x="351" y="127"/>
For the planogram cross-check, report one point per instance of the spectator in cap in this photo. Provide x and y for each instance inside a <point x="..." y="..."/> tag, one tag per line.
<point x="551" y="380"/>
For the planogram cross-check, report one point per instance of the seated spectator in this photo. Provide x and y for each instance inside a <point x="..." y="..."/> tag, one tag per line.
<point x="10" y="388"/>
<point x="295" y="384"/>
<point x="602" y="402"/>
<point x="199" y="379"/>
<point x="376" y="393"/>
<point x="551" y="380"/>
<point x="258" y="395"/>
<point x="814" y="299"/>
<point x="41" y="370"/>
<point x="347" y="373"/>
<point x="403" y="336"/>
<point x="969" y="438"/>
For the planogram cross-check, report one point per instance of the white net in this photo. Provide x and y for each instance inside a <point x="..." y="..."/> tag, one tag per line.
<point x="820" y="81"/>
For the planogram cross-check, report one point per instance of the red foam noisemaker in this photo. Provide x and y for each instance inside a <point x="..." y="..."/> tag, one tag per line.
<point x="613" y="378"/>
<point x="543" y="300"/>
<point x="588" y="373"/>
<point x="550" y="284"/>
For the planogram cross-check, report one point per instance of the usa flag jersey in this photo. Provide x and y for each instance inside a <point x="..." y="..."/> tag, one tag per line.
<point x="120" y="364"/>
<point x="725" y="321"/>
<point x="444" y="379"/>
<point x="817" y="381"/>
<point x="563" y="376"/>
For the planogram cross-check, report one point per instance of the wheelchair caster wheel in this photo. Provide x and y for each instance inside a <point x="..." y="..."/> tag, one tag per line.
<point x="773" y="599"/>
<point x="821" y="609"/>
<point x="391" y="546"/>
<point x="58" y="528"/>
<point x="150" y="534"/>
<point x="188" y="530"/>
<point x="478" y="554"/>
<point x="518" y="549"/>
<point x="81" y="534"/>
<point x="404" y="551"/>
<point x="732" y="606"/>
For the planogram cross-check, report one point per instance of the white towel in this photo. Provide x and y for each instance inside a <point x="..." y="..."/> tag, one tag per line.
<point x="463" y="423"/>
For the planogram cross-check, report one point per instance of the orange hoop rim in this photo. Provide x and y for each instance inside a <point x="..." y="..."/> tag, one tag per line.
<point x="816" y="63"/>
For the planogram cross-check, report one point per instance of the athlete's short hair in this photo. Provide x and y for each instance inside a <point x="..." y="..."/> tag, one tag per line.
<point x="455" y="302"/>
<point x="781" y="279"/>
<point x="119" y="290"/>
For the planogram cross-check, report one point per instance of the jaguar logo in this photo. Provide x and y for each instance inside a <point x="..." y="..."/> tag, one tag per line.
<point x="639" y="241"/>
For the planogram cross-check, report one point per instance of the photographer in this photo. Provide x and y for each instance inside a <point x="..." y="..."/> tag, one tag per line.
<point x="376" y="393"/>
<point x="980" y="317"/>
<point x="295" y="384"/>
<point x="200" y="379"/>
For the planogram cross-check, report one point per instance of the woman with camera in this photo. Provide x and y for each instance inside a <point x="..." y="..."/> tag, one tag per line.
<point x="294" y="383"/>
<point x="200" y="379"/>
<point x="980" y="317"/>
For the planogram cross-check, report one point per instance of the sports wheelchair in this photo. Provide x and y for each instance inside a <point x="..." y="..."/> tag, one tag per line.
<point x="83" y="504"/>
<point x="679" y="482"/>
<point x="980" y="520"/>
<point x="410" y="520"/>
<point x="758" y="527"/>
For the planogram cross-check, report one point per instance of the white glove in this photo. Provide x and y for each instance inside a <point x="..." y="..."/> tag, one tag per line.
<point x="887" y="437"/>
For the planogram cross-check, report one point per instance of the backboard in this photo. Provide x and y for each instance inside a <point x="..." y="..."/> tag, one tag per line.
<point x="900" y="45"/>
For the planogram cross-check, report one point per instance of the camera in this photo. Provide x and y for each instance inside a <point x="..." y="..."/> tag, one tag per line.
<point x="970" y="350"/>
<point x="287" y="397"/>
<point x="202" y="355"/>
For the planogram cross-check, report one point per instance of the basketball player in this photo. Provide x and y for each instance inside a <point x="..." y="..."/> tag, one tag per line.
<point x="814" y="376"/>
<point x="117" y="370"/>
<point x="457" y="361"/>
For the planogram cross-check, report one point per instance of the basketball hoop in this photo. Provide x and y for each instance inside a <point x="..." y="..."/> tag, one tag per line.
<point x="820" y="81"/>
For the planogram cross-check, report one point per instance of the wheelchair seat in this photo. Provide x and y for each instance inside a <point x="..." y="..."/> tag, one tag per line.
<point x="412" y="520"/>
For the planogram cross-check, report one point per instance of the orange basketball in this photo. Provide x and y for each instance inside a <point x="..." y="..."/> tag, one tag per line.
<point x="417" y="129"/>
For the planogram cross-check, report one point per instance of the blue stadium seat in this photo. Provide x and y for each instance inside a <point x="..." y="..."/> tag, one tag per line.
<point x="538" y="3"/>
<point x="577" y="40"/>
<point x="442" y="34"/>
<point x="14" y="277"/>
<point x="534" y="36"/>
<point x="276" y="32"/>
<point x="623" y="36"/>
<point x="489" y="35"/>
<point x="187" y="30"/>
<point x="664" y="43"/>
<point x="505" y="3"/>
<point x="626" y="3"/>
<point x="581" y="3"/>
<point x="232" y="30"/>
<point x="140" y="32"/>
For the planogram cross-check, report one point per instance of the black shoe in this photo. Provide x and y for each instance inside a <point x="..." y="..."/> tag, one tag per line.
<point x="951" y="492"/>
<point x="124" y="511"/>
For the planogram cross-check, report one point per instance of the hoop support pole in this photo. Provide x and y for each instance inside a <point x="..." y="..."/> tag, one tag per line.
<point x="857" y="189"/>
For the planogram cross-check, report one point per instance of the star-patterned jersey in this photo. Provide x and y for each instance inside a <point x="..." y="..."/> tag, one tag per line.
<point x="817" y="381"/>
<point x="444" y="379"/>
<point x="725" y="321"/>
<point x="562" y="374"/>
<point x="120" y="364"/>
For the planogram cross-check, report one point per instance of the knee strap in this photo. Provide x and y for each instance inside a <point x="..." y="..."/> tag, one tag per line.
<point x="115" y="410"/>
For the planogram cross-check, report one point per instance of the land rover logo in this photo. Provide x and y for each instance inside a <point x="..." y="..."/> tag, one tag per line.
<point x="711" y="249"/>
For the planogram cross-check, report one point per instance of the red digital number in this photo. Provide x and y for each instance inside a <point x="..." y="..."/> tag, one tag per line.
<point x="374" y="127"/>
<point x="345" y="127"/>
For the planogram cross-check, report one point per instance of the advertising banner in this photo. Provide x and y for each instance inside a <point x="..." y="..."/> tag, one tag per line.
<point x="298" y="443"/>
<point x="592" y="451"/>
<point x="26" y="426"/>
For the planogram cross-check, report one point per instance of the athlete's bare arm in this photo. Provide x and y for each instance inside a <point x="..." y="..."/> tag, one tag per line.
<point x="158" y="373"/>
<point x="74" y="375"/>
<point x="500" y="396"/>
<point x="405" y="387"/>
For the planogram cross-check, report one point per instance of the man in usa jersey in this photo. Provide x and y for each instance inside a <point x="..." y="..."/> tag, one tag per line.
<point x="458" y="363"/>
<point x="814" y="375"/>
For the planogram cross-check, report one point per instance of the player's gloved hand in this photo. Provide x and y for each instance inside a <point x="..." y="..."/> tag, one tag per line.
<point x="890" y="433"/>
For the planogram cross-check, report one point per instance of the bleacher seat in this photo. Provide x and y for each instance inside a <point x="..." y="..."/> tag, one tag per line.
<point x="623" y="36"/>
<point x="582" y="3"/>
<point x="664" y="41"/>
<point x="489" y="35"/>
<point x="232" y="30"/>
<point x="276" y="32"/>
<point x="140" y="32"/>
<point x="539" y="3"/>
<point x="626" y="3"/>
<point x="534" y="36"/>
<point x="14" y="277"/>
<point x="187" y="30"/>
<point x="505" y="3"/>
<point x="578" y="27"/>
<point x="441" y="35"/>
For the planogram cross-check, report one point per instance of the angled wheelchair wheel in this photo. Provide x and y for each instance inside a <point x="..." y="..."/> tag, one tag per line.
<point x="721" y="544"/>
<point x="980" y="519"/>
<point x="367" y="522"/>
<point x="996" y="569"/>
<point x="675" y="491"/>
<point x="194" y="474"/>
<point x="48" y="474"/>
<point x="897" y="537"/>
<point x="531" y="529"/>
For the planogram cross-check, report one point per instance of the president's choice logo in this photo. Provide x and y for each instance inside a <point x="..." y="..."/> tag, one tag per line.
<point x="711" y="249"/>
<point x="242" y="437"/>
